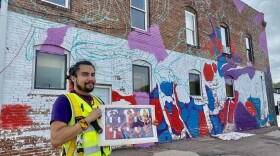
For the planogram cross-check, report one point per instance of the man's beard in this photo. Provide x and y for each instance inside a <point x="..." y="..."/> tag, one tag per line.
<point x="85" y="89"/>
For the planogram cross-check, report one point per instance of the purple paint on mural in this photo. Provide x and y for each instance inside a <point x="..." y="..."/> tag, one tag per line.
<point x="259" y="18"/>
<point x="142" y="98"/>
<point x="231" y="70"/>
<point x="268" y="74"/>
<point x="236" y="59"/>
<point x="263" y="43"/>
<point x="213" y="33"/>
<point x="239" y="5"/>
<point x="55" y="38"/>
<point x="51" y="49"/>
<point x="149" y="41"/>
<point x="243" y="119"/>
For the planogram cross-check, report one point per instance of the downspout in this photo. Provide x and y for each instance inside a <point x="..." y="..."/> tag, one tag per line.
<point x="3" y="30"/>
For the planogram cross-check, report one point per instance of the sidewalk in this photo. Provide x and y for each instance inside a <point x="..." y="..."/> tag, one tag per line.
<point x="265" y="142"/>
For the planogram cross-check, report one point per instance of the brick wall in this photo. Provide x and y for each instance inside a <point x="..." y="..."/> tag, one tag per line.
<point x="106" y="39"/>
<point x="113" y="18"/>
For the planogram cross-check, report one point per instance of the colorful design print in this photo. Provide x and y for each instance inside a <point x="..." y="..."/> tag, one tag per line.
<point x="128" y="123"/>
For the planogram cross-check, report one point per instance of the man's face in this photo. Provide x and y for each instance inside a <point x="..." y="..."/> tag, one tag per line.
<point x="85" y="80"/>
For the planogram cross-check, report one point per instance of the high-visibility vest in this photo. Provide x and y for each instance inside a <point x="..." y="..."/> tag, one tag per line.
<point x="86" y="143"/>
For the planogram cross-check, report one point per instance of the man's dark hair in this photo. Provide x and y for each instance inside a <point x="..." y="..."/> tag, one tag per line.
<point x="74" y="68"/>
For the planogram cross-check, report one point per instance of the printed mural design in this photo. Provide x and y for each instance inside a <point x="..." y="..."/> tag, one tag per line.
<point x="179" y="114"/>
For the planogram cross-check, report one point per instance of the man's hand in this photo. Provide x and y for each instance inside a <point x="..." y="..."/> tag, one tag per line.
<point x="94" y="115"/>
<point x="155" y="122"/>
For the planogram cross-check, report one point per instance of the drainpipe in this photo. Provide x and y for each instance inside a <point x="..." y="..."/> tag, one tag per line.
<point x="3" y="30"/>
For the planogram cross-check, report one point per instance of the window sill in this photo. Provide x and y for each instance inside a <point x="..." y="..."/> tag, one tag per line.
<point x="146" y="32"/>
<point x="193" y="46"/>
<point x="196" y="97"/>
<point x="56" y="6"/>
<point x="47" y="92"/>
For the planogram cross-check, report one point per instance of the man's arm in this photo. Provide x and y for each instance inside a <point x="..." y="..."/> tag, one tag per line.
<point x="62" y="133"/>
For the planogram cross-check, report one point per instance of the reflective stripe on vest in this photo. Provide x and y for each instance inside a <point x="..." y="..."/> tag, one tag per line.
<point x="90" y="151"/>
<point x="90" y="137"/>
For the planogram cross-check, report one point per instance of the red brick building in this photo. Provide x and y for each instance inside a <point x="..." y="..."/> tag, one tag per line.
<point x="202" y="64"/>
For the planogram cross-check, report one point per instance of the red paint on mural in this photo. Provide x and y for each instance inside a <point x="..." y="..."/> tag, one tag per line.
<point x="208" y="46"/>
<point x="174" y="120"/>
<point x="203" y="128"/>
<point x="158" y="110"/>
<point x="223" y="114"/>
<point x="176" y="123"/>
<point x="117" y="97"/>
<point x="232" y="107"/>
<point x="218" y="44"/>
<point x="250" y="108"/>
<point x="211" y="47"/>
<point x="14" y="116"/>
<point x="209" y="71"/>
<point x="214" y="67"/>
<point x="176" y="98"/>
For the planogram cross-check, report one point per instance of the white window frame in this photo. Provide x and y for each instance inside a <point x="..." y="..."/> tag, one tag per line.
<point x="144" y="64"/>
<point x="144" y="11"/>
<point x="66" y="3"/>
<point x="194" y="71"/>
<point x="225" y="39"/>
<point x="103" y="86"/>
<point x="233" y="88"/>
<point x="37" y="48"/>
<point x="194" y="30"/>
<point x="249" y="48"/>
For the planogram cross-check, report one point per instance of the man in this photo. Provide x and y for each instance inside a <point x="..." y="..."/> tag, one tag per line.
<point x="73" y="112"/>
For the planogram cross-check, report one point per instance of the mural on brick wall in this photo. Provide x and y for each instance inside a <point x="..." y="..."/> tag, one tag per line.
<point x="180" y="114"/>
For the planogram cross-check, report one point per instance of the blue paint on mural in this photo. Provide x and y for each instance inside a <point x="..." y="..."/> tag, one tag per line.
<point x="257" y="104"/>
<point x="221" y="61"/>
<point x="167" y="88"/>
<point x="168" y="106"/>
<point x="217" y="125"/>
<point x="211" y="99"/>
<point x="190" y="116"/>
<point x="163" y="132"/>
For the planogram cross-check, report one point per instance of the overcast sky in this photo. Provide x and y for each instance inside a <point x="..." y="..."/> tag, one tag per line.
<point x="271" y="10"/>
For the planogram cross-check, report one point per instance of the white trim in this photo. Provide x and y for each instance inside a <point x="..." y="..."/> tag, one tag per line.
<point x="104" y="86"/>
<point x="66" y="3"/>
<point x="194" y="26"/>
<point x="233" y="88"/>
<point x="250" y="48"/>
<point x="37" y="48"/>
<point x="194" y="71"/>
<point x="144" y="64"/>
<point x="144" y="11"/>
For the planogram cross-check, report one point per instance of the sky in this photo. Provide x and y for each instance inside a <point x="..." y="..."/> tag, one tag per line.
<point x="271" y="9"/>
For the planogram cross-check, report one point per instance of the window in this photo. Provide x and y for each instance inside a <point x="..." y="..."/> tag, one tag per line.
<point x="249" y="49"/>
<point x="50" y="71"/>
<point x="194" y="82"/>
<point x="104" y="92"/>
<point x="141" y="78"/>
<point x="63" y="3"/>
<point x="190" y="28"/>
<point x="225" y="39"/>
<point x="229" y="87"/>
<point x="139" y="14"/>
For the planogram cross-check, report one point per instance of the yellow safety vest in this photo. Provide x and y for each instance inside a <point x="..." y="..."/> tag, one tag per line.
<point x="86" y="143"/>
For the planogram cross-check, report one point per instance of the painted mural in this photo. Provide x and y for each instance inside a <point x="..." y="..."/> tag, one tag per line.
<point x="180" y="115"/>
